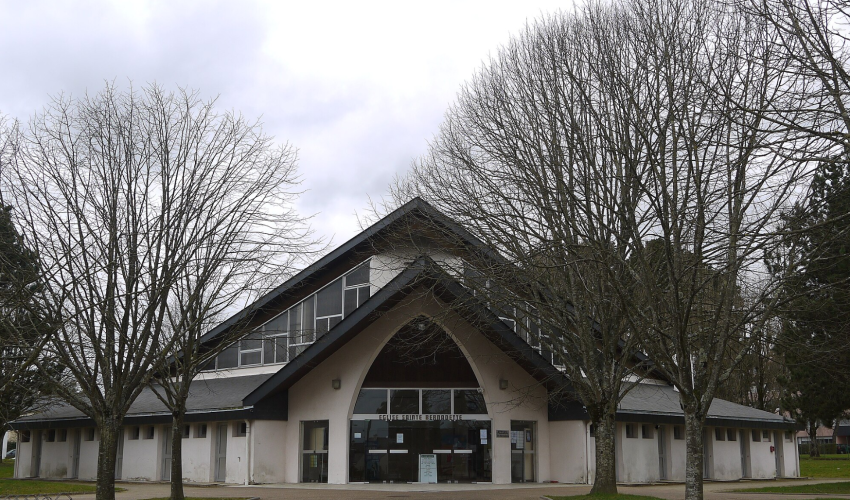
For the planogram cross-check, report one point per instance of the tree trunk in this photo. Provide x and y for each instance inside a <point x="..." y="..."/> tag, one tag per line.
<point x="177" y="456"/>
<point x="813" y="438"/>
<point x="694" y="458"/>
<point x="106" y="455"/>
<point x="606" y="456"/>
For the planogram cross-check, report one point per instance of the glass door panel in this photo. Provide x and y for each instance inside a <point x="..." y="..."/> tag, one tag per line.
<point x="314" y="450"/>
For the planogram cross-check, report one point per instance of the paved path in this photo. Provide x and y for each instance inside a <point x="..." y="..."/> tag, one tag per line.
<point x="713" y="491"/>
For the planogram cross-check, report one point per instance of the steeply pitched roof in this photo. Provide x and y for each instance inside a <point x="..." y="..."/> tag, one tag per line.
<point x="414" y="206"/>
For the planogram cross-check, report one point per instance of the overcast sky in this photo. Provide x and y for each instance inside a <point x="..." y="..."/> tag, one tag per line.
<point x="357" y="87"/>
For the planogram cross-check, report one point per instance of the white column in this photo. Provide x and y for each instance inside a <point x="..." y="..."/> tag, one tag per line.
<point x="5" y="443"/>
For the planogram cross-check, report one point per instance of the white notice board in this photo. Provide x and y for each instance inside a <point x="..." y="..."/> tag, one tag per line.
<point x="428" y="468"/>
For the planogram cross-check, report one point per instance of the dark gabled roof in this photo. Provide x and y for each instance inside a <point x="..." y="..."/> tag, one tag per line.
<point x="413" y="206"/>
<point x="656" y="400"/>
<point x="424" y="272"/>
<point x="223" y="394"/>
<point x="659" y="403"/>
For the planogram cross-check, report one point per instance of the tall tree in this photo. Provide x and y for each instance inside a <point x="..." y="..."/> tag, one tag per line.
<point x="121" y="195"/>
<point x="596" y="133"/>
<point x="815" y="339"/>
<point x="24" y="326"/>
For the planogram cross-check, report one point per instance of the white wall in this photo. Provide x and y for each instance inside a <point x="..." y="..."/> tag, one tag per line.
<point x="568" y="455"/>
<point x="726" y="460"/>
<point x="269" y="449"/>
<point x="198" y="455"/>
<point x="88" y="456"/>
<point x="638" y="460"/>
<point x="313" y="398"/>
<point x="762" y="460"/>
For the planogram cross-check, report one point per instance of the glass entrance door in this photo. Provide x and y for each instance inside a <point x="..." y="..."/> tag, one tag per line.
<point x="314" y="451"/>
<point x="388" y="452"/>
<point x="523" y="448"/>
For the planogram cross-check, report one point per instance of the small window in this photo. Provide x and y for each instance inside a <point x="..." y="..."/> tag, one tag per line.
<point x="149" y="432"/>
<point x="25" y="436"/>
<point x="731" y="435"/>
<point x="789" y="436"/>
<point x="229" y="358"/>
<point x="134" y="433"/>
<point x="62" y="435"/>
<point x="756" y="436"/>
<point x="201" y="431"/>
<point x="647" y="431"/>
<point x="592" y="431"/>
<point x="50" y="436"/>
<point x="88" y="434"/>
<point x="359" y="276"/>
<point x="765" y="436"/>
<point x="240" y="429"/>
<point x="630" y="431"/>
<point x="678" y="432"/>
<point x="719" y="434"/>
<point x="186" y="431"/>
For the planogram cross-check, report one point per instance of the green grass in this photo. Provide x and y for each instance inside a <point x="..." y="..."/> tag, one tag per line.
<point x="831" y="466"/>
<point x="830" y="488"/>
<point x="827" y="457"/>
<point x="607" y="497"/>
<point x="7" y="468"/>
<point x="10" y="486"/>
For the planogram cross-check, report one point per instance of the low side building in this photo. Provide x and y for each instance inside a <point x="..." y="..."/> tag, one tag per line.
<point x="375" y="364"/>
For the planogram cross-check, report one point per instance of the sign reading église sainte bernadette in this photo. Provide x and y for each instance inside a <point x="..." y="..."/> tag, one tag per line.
<point x="423" y="418"/>
<point x="502" y="434"/>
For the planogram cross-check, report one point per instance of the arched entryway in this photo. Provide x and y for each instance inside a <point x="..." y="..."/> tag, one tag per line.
<point x="420" y="414"/>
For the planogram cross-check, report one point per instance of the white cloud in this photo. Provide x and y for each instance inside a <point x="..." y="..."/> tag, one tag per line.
<point x="358" y="87"/>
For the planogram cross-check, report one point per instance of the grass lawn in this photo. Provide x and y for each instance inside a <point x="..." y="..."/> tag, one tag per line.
<point x="31" y="487"/>
<point x="829" y="488"/>
<point x="829" y="466"/>
<point x="610" y="497"/>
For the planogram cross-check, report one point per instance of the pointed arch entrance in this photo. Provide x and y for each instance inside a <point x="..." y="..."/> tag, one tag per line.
<point x="420" y="410"/>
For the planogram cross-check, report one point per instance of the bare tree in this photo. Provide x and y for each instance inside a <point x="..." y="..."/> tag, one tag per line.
<point x="252" y="237"/>
<point x="120" y="195"/>
<point x="524" y="161"/>
<point x="813" y="38"/>
<point x="621" y="157"/>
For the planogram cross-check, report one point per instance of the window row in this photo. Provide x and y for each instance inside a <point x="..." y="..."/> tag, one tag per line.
<point x="420" y="402"/>
<point x="522" y="322"/>
<point x="647" y="431"/>
<point x="286" y="335"/>
<point x="149" y="431"/>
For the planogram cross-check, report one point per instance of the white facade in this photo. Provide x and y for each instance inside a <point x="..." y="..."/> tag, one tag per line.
<point x="270" y="451"/>
<point x="515" y="438"/>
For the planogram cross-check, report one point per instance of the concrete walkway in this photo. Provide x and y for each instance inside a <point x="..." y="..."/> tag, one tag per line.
<point x="713" y="491"/>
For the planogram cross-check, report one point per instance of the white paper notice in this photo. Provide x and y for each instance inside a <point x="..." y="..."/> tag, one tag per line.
<point x="513" y="437"/>
<point x="399" y="438"/>
<point x="357" y="435"/>
<point x="483" y="434"/>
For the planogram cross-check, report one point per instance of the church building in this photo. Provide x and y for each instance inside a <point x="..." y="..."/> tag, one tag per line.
<point x="372" y="366"/>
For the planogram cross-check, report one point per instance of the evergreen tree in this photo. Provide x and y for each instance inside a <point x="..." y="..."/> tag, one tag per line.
<point x="815" y="338"/>
<point x="23" y="325"/>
